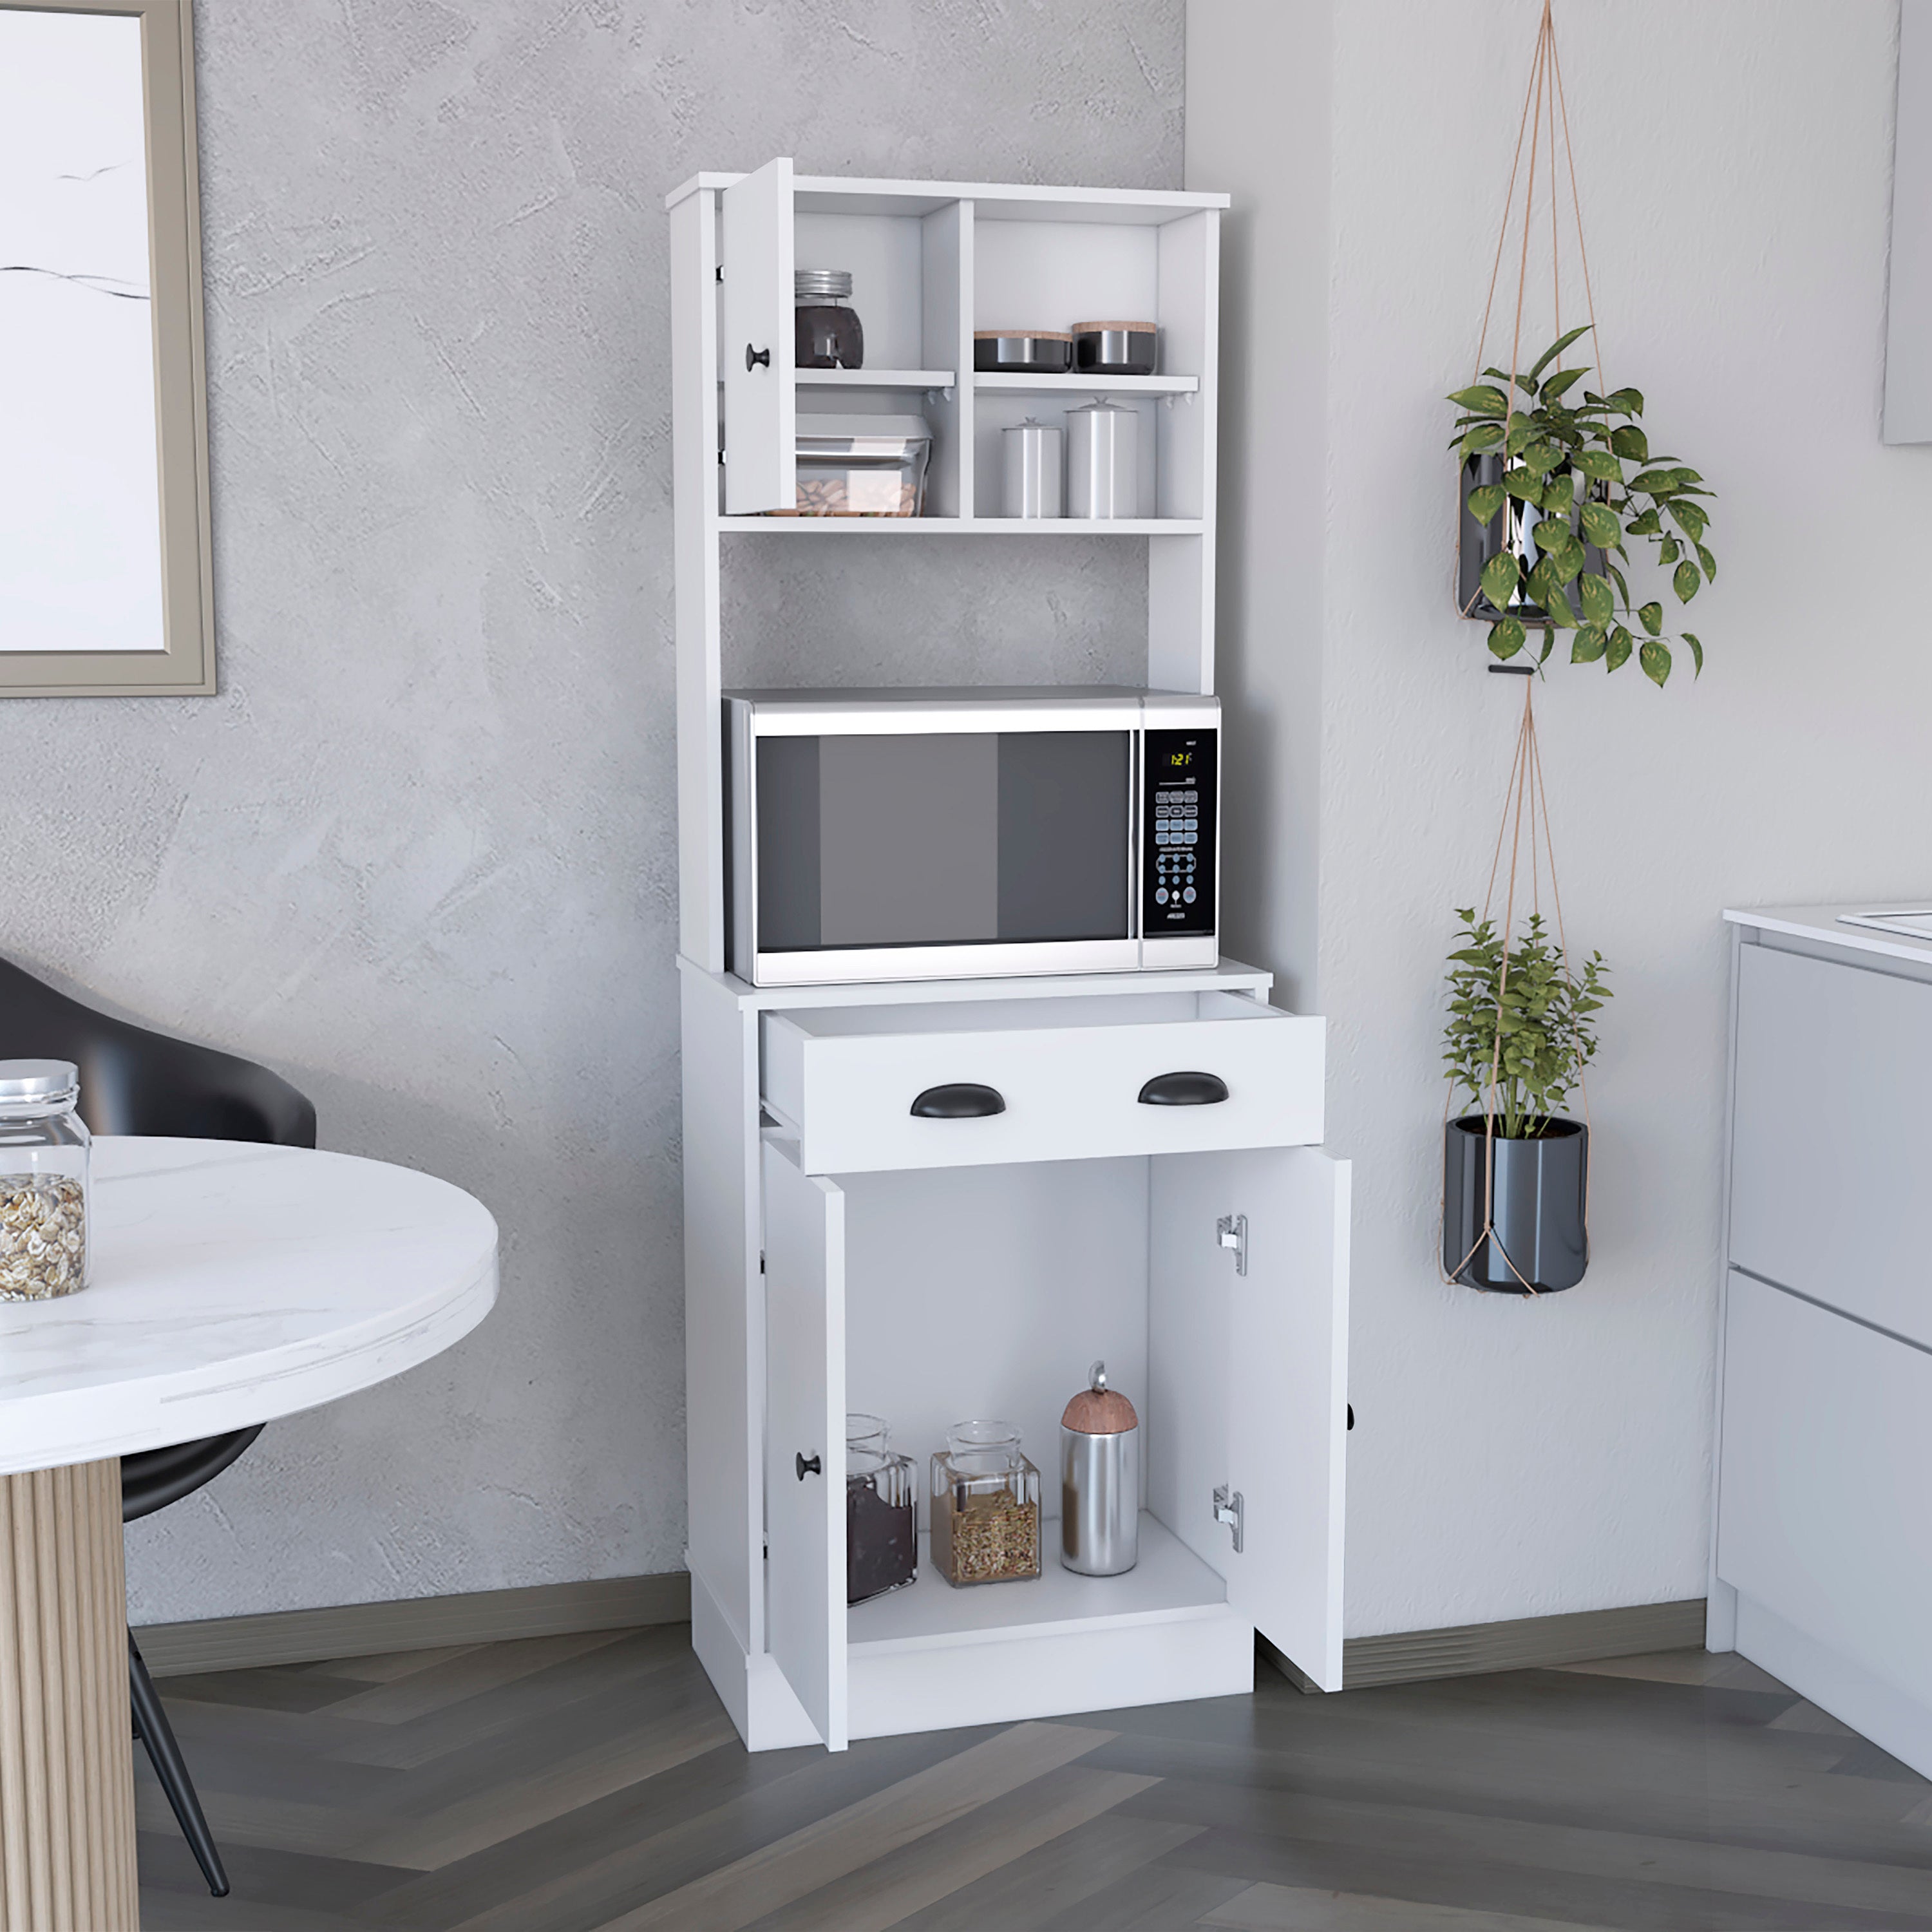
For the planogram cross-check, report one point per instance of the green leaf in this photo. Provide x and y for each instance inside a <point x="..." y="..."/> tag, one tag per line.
<point x="1559" y="496"/>
<point x="1506" y="637"/>
<point x="1655" y="659"/>
<point x="1653" y="482"/>
<point x="1623" y="589"/>
<point x="1501" y="575"/>
<point x="1651" y="616"/>
<point x="1598" y="463"/>
<point x="1620" y="644"/>
<point x="1542" y="457"/>
<point x="1549" y="644"/>
<point x="1688" y="518"/>
<point x="1591" y="641"/>
<point x="1598" y="600"/>
<point x="1696" y="652"/>
<point x="1481" y="400"/>
<point x="1685" y="581"/>
<point x="1625" y="402"/>
<point x="1523" y="483"/>
<point x="1522" y="432"/>
<point x="1485" y="503"/>
<point x="1644" y="525"/>
<point x="1556" y="349"/>
<point x="1560" y="381"/>
<point x="1629" y="442"/>
<point x="1600" y="525"/>
<point x="1669" y="551"/>
<point x="1554" y="602"/>
<point x="1709" y="562"/>
<point x="1484" y="436"/>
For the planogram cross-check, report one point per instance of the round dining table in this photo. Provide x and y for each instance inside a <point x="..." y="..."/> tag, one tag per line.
<point x="229" y="1283"/>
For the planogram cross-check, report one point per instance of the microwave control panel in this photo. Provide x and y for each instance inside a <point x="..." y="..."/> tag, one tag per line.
<point x="1178" y="796"/>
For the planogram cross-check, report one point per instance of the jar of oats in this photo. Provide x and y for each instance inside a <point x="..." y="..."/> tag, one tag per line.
<point x="985" y="1506"/>
<point x="44" y="1146"/>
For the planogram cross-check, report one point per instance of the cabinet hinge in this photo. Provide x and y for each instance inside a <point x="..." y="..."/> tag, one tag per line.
<point x="1229" y="1509"/>
<point x="1231" y="1231"/>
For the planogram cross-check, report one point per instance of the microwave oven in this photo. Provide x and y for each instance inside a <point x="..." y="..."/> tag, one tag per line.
<point x="921" y="835"/>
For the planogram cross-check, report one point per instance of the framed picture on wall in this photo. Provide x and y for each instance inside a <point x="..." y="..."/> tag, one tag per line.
<point x="106" y="585"/>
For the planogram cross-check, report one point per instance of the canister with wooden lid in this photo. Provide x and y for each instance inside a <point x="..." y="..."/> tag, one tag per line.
<point x="1099" y="1480"/>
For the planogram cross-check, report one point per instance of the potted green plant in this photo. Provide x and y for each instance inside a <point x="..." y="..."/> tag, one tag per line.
<point x="1554" y="488"/>
<point x="1521" y="1031"/>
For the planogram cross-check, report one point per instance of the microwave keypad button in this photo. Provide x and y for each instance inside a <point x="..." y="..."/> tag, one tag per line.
<point x="1160" y="896"/>
<point x="1190" y="797"/>
<point x="1187" y="897"/>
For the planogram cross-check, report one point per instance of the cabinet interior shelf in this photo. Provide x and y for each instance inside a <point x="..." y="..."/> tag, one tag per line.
<point x="1168" y="1581"/>
<point x="1030" y="384"/>
<point x="1007" y="526"/>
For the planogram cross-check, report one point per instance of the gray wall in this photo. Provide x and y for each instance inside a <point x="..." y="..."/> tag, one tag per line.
<point x="418" y="853"/>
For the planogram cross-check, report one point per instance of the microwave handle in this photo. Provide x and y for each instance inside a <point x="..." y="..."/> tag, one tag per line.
<point x="1184" y="1089"/>
<point x="962" y="1100"/>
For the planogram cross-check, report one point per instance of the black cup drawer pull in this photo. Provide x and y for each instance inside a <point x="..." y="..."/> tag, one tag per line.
<point x="808" y="1465"/>
<point x="962" y="1101"/>
<point x="756" y="359"/>
<point x="1184" y="1089"/>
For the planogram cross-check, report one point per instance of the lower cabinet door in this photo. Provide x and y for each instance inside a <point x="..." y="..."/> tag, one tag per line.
<point x="804" y="1449"/>
<point x="1822" y="1516"/>
<point x="1248" y="1345"/>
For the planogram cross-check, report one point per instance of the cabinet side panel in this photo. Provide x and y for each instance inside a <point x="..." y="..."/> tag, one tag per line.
<point x="723" y="1322"/>
<point x="945" y="343"/>
<point x="700" y="850"/>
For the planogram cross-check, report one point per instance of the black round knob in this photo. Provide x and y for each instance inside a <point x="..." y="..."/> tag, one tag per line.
<point x="808" y="1468"/>
<point x="754" y="357"/>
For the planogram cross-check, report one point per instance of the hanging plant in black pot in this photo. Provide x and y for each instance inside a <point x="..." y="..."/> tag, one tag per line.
<point x="1516" y="1170"/>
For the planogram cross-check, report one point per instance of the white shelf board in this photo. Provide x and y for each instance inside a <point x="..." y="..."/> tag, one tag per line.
<point x="1169" y="1584"/>
<point x="1230" y="977"/>
<point x="872" y="379"/>
<point x="1024" y="201"/>
<point x="1005" y="526"/>
<point x="1072" y="384"/>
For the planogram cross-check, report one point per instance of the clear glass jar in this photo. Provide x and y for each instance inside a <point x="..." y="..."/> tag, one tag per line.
<point x="43" y="1149"/>
<point x="858" y="465"/>
<point x="881" y="1533"/>
<point x="826" y="330"/>
<point x="985" y="1506"/>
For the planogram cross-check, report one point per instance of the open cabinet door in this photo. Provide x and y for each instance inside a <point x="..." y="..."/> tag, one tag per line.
<point x="756" y="354"/>
<point x="805" y="1421"/>
<point x="1251" y="1369"/>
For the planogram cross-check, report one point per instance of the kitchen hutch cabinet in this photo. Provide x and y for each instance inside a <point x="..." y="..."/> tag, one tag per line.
<point x="842" y="1254"/>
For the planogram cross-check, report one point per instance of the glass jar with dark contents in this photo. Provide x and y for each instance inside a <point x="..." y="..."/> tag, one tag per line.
<point x="826" y="326"/>
<point x="881" y="1537"/>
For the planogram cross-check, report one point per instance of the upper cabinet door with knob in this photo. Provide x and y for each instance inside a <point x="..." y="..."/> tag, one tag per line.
<point x="760" y="408"/>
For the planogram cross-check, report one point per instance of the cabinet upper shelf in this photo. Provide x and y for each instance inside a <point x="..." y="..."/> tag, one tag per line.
<point x="838" y="194"/>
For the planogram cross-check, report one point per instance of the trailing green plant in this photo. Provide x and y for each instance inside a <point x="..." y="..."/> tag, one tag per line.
<point x="1570" y="463"/>
<point x="1545" y="1014"/>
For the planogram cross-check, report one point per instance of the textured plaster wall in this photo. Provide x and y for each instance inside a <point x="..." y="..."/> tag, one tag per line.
<point x="1513" y="1459"/>
<point x="418" y="853"/>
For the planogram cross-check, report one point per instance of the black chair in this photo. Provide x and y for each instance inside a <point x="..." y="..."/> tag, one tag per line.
<point x="133" y="1082"/>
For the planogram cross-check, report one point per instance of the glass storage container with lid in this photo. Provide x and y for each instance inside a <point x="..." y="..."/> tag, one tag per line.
<point x="43" y="1150"/>
<point x="861" y="466"/>
<point x="986" y="1506"/>
<point x="881" y="1535"/>
<point x="825" y="327"/>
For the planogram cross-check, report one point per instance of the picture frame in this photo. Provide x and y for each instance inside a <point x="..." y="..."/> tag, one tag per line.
<point x="106" y="567"/>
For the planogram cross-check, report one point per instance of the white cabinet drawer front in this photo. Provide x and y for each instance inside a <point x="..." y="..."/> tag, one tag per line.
<point x="1066" y="1093"/>
<point x="1821" y="1511"/>
<point x="1833" y="1137"/>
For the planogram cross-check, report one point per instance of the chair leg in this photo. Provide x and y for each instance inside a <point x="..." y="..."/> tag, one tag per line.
<point x="152" y="1727"/>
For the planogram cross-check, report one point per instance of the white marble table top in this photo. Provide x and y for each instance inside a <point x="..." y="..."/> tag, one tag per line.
<point x="232" y="1283"/>
<point x="1828" y="924"/>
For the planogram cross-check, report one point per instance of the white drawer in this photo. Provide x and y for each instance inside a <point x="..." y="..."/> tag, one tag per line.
<point x="1064" y="1079"/>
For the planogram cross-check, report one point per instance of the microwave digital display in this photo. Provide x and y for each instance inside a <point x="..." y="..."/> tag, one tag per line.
<point x="943" y="838"/>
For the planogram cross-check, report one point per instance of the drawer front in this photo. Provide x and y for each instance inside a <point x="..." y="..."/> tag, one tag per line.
<point x="1063" y="1093"/>
<point x="1832" y="1139"/>
<point x="1822" y="1515"/>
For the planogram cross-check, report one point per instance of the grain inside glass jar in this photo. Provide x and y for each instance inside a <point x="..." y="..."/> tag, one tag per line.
<point x="985" y="1500"/>
<point x="43" y="1181"/>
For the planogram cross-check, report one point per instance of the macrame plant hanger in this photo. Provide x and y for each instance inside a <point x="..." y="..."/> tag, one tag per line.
<point x="1543" y="107"/>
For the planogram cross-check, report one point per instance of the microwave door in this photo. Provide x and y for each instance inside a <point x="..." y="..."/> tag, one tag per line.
<point x="934" y="854"/>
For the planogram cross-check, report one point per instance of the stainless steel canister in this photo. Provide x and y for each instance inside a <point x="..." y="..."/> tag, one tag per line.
<point x="1099" y="1480"/>
<point x="1034" y="469"/>
<point x="1103" y="460"/>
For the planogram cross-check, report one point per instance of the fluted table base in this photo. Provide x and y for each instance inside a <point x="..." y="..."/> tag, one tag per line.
<point x="67" y="1783"/>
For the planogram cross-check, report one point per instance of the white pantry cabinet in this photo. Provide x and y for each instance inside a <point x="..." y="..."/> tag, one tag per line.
<point x="845" y="1252"/>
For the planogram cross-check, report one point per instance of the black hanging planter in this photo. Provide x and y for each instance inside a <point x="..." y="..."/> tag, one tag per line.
<point x="1537" y="1216"/>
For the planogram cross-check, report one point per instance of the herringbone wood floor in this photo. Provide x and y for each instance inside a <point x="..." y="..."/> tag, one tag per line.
<point x="566" y="1784"/>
